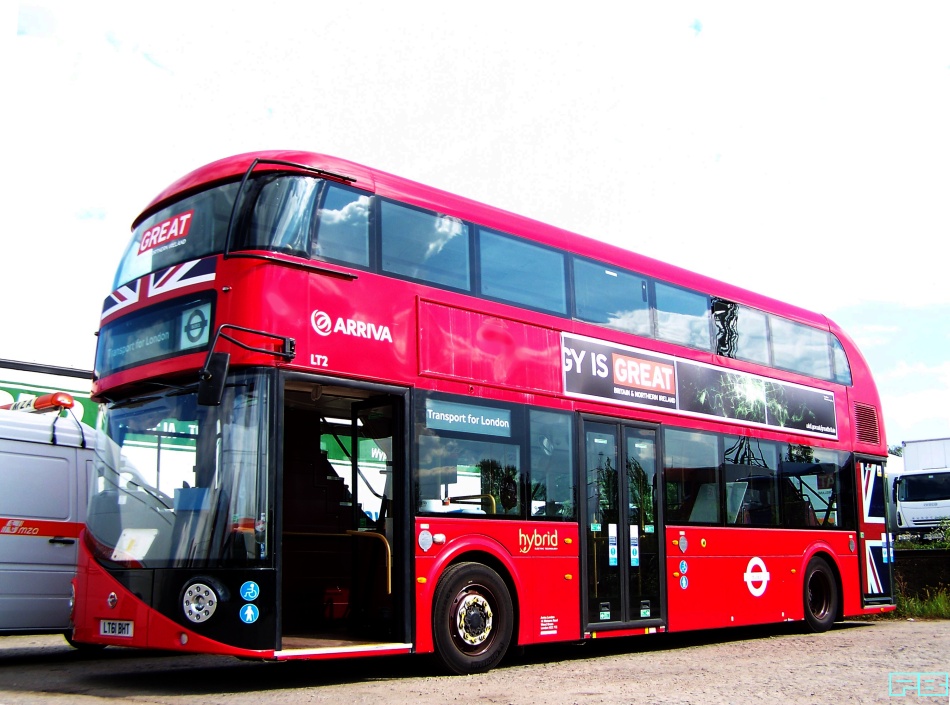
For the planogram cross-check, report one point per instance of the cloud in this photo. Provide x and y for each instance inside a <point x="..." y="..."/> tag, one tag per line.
<point x="872" y="335"/>
<point x="918" y="370"/>
<point x="918" y="415"/>
<point x="35" y="21"/>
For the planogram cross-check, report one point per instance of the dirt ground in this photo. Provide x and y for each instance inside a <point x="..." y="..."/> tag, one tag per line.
<point x="856" y="662"/>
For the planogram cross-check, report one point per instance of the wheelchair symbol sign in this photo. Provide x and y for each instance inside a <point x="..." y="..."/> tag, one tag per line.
<point x="250" y="591"/>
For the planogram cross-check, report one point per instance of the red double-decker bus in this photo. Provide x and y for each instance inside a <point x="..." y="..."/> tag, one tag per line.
<point x="346" y="414"/>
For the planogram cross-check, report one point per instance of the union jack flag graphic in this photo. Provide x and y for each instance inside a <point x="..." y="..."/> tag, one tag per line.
<point x="877" y="574"/>
<point x="120" y="298"/>
<point x="180" y="276"/>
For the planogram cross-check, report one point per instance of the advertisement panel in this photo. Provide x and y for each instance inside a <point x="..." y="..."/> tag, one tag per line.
<point x="597" y="370"/>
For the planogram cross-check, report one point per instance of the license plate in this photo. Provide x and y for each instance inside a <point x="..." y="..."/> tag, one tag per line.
<point x="111" y="627"/>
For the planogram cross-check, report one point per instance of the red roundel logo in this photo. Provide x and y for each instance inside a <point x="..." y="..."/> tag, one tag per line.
<point x="321" y="323"/>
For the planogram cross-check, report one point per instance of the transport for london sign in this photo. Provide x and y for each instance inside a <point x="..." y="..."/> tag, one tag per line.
<point x="594" y="369"/>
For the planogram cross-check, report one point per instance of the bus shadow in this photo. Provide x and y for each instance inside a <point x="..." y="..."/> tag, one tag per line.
<point x="178" y="674"/>
<point x="54" y="654"/>
<point x="596" y="648"/>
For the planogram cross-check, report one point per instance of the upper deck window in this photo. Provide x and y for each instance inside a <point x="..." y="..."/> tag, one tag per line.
<point x="741" y="332"/>
<point x="800" y="348"/>
<point x="424" y="245"/>
<point x="286" y="217"/>
<point x="682" y="316"/>
<point x="523" y="273"/>
<point x="842" y="368"/>
<point x="191" y="228"/>
<point x="613" y="297"/>
<point x="343" y="226"/>
<point x="281" y="217"/>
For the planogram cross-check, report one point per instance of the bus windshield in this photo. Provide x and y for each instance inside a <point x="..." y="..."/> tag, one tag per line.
<point x="178" y="484"/>
<point x="929" y="487"/>
<point x="290" y="213"/>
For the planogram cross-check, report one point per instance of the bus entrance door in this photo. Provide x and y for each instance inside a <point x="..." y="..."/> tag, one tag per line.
<point x="622" y="553"/>
<point x="341" y="471"/>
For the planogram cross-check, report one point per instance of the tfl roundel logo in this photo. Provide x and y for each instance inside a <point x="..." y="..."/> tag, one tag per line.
<point x="321" y="323"/>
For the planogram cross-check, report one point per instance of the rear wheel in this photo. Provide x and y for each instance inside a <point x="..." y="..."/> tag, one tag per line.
<point x="472" y="619"/>
<point x="820" y="594"/>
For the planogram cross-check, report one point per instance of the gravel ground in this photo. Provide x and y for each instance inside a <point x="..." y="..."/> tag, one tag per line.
<point x="850" y="664"/>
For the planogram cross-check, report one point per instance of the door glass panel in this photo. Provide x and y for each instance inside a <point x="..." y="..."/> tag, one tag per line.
<point x="603" y="539"/>
<point x="644" y="575"/>
<point x="878" y="558"/>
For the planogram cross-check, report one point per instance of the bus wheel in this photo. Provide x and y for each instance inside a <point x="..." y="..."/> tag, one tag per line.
<point x="472" y="618"/>
<point x="80" y="645"/>
<point x="820" y="595"/>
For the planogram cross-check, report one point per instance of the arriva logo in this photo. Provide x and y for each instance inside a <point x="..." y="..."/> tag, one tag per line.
<point x="323" y="325"/>
<point x="537" y="541"/>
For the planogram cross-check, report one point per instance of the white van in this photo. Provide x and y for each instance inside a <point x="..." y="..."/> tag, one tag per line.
<point x="46" y="462"/>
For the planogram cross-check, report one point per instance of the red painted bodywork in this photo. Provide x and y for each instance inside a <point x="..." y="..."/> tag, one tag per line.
<point x="408" y="334"/>
<point x="545" y="581"/>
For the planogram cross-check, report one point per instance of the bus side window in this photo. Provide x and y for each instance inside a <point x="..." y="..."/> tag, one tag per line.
<point x="691" y="462"/>
<point x="552" y="465"/>
<point x="749" y="471"/>
<point x="462" y="476"/>
<point x="811" y="488"/>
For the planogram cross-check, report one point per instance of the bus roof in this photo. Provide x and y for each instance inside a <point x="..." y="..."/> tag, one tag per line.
<point x="396" y="187"/>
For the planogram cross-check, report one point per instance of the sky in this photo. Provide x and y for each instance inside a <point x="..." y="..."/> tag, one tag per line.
<point x="800" y="150"/>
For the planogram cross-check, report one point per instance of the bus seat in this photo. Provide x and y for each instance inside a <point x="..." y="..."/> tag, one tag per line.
<point x="800" y="514"/>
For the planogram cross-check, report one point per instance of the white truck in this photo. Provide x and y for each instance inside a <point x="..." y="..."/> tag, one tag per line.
<point x="922" y="491"/>
<point x="46" y="465"/>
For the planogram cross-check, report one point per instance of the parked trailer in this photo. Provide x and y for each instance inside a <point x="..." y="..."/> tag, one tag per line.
<point x="922" y="492"/>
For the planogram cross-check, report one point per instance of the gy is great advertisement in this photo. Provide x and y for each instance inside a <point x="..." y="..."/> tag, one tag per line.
<point x="593" y="369"/>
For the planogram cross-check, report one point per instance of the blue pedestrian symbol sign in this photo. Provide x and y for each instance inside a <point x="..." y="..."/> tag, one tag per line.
<point x="250" y="591"/>
<point x="249" y="614"/>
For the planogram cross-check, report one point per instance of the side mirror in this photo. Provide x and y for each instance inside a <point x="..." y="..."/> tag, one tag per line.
<point x="211" y="379"/>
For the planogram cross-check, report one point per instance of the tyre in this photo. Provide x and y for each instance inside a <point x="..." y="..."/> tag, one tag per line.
<point x="473" y="619"/>
<point x="81" y="646"/>
<point x="820" y="595"/>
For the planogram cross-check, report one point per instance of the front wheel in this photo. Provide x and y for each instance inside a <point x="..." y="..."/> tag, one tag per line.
<point x="82" y="646"/>
<point x="820" y="594"/>
<point x="472" y="619"/>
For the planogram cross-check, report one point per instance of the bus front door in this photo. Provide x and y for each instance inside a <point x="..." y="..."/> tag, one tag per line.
<point x="620" y="515"/>
<point x="343" y="473"/>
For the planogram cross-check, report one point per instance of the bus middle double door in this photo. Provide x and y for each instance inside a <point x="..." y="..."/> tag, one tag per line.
<point x="619" y="513"/>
